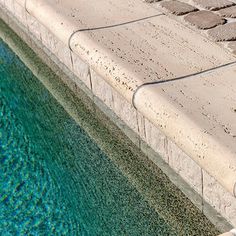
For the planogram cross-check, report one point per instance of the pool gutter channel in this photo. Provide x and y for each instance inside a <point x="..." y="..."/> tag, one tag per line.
<point x="141" y="115"/>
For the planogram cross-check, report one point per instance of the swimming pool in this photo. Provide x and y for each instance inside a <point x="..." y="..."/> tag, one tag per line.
<point x="65" y="176"/>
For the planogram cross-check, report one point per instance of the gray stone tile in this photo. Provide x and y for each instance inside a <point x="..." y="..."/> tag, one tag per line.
<point x="225" y="32"/>
<point x="204" y="19"/>
<point x="213" y="4"/>
<point x="178" y="8"/>
<point x="228" y="12"/>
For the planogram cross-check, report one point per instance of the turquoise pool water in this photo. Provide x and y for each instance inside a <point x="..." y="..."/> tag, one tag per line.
<point x="56" y="180"/>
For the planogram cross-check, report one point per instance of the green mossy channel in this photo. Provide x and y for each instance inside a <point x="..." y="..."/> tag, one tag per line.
<point x="66" y="169"/>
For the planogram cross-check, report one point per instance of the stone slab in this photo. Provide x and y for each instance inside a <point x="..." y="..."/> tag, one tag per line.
<point x="63" y="18"/>
<point x="131" y="48"/>
<point x="204" y="19"/>
<point x="225" y="32"/>
<point x="228" y="12"/>
<point x="214" y="4"/>
<point x="178" y="8"/>
<point x="202" y="124"/>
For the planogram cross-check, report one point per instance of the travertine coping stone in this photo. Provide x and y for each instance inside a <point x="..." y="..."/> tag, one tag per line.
<point x="228" y="12"/>
<point x="225" y="32"/>
<point x="198" y="114"/>
<point x="178" y="8"/>
<point x="204" y="19"/>
<point x="214" y="4"/>
<point x="127" y="53"/>
<point x="70" y="16"/>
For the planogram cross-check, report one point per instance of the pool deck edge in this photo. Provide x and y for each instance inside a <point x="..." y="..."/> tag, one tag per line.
<point x="184" y="149"/>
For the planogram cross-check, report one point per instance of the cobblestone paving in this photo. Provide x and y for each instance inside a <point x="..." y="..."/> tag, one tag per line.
<point x="214" y="18"/>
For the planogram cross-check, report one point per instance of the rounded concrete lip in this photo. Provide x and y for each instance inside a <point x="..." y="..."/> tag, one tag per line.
<point x="198" y="113"/>
<point x="138" y="45"/>
<point x="128" y="42"/>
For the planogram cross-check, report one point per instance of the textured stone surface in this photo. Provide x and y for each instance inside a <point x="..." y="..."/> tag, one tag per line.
<point x="34" y="26"/>
<point x="225" y="32"/>
<point x="178" y="8"/>
<point x="228" y="12"/>
<point x="10" y="5"/>
<point x="101" y="89"/>
<point x="204" y="19"/>
<point x="232" y="46"/>
<point x="56" y="46"/>
<point x="125" y="111"/>
<point x="227" y="234"/>
<point x="185" y="167"/>
<point x="20" y="13"/>
<point x="156" y="140"/>
<point x="220" y="199"/>
<point x="213" y="4"/>
<point x="81" y="69"/>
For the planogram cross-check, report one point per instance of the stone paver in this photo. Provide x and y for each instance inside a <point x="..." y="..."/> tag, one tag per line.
<point x="228" y="12"/>
<point x="214" y="4"/>
<point x="178" y="8"/>
<point x="204" y="19"/>
<point x="225" y="32"/>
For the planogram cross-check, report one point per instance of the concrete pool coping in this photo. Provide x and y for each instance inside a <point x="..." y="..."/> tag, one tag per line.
<point x="176" y="109"/>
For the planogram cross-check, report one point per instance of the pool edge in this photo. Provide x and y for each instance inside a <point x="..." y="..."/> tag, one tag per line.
<point x="133" y="119"/>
